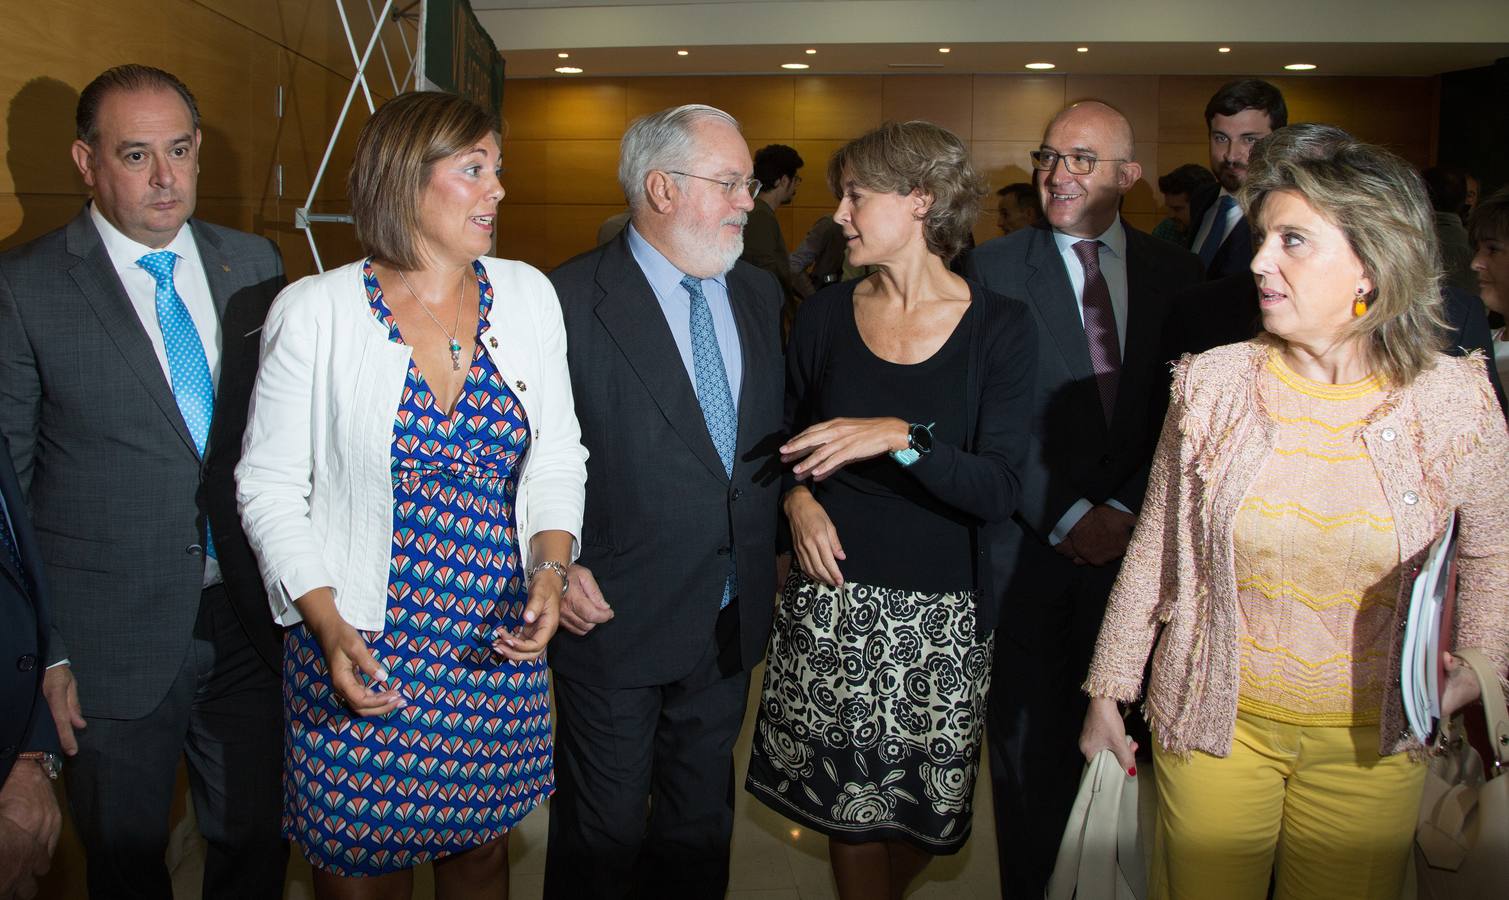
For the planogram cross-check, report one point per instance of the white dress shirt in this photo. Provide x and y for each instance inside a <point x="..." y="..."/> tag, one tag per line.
<point x="1113" y="267"/>
<point x="1233" y="216"/>
<point x="141" y="289"/>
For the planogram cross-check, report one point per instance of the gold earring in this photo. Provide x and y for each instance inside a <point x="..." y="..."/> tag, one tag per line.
<point x="1360" y="306"/>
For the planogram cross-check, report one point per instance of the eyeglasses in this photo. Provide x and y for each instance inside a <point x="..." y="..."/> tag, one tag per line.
<point x="1076" y="163"/>
<point x="731" y="188"/>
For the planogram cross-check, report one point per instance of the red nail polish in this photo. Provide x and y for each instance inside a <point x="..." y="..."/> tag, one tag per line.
<point x="1132" y="771"/>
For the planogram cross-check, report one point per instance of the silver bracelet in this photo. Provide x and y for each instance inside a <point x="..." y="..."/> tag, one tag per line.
<point x="551" y="565"/>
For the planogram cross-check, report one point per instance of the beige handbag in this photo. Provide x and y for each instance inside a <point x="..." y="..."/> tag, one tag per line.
<point x="1462" y="843"/>
<point x="1101" y="856"/>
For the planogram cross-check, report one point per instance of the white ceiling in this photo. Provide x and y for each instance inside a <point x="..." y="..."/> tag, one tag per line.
<point x="1342" y="37"/>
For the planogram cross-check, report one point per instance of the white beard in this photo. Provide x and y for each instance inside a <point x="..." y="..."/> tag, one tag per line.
<point x="708" y="259"/>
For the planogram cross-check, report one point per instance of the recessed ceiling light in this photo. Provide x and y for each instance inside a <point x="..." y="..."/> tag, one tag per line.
<point x="1040" y="65"/>
<point x="811" y="51"/>
<point x="683" y="53"/>
<point x="1223" y="49"/>
<point x="1082" y="49"/>
<point x="569" y="70"/>
<point x="1300" y="67"/>
<point x="794" y="66"/>
<point x="563" y="56"/>
<point x="945" y="49"/>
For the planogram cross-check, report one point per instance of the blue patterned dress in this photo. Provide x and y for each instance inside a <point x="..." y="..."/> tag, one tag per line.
<point x="471" y="753"/>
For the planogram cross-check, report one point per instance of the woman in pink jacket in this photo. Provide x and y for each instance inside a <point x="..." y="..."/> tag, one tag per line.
<point x="1300" y="479"/>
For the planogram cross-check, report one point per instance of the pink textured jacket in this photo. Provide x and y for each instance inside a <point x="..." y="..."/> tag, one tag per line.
<point x="1439" y="446"/>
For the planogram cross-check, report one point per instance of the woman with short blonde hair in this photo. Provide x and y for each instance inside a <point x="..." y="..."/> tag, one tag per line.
<point x="1300" y="480"/>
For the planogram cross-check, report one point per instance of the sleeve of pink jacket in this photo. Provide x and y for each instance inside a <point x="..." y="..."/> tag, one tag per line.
<point x="1150" y="572"/>
<point x="1483" y="519"/>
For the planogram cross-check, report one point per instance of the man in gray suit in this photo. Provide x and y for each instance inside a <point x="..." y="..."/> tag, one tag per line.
<point x="128" y="347"/>
<point x="1099" y="290"/>
<point x="676" y="369"/>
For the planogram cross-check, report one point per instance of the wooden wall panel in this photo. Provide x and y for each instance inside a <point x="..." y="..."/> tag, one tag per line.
<point x="946" y="100"/>
<point x="582" y="172"/>
<point x="837" y="107"/>
<point x="525" y="110"/>
<point x="525" y="164"/>
<point x="763" y="106"/>
<point x="1015" y="107"/>
<point x="586" y="109"/>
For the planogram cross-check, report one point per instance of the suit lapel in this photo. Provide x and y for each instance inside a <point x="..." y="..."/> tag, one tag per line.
<point x="95" y="276"/>
<point x="631" y="315"/>
<point x="740" y="298"/>
<point x="1143" y="337"/>
<point x="217" y="268"/>
<point x="1049" y="289"/>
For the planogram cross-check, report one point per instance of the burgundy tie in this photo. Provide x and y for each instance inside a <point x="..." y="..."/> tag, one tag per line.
<point x="1100" y="326"/>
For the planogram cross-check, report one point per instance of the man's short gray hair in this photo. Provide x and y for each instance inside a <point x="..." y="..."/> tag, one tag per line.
<point x="663" y="142"/>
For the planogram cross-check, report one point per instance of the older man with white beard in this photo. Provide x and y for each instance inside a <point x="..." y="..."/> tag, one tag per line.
<point x="676" y="368"/>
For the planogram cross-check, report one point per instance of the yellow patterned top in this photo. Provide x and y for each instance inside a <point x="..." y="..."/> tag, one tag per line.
<point x="1316" y="560"/>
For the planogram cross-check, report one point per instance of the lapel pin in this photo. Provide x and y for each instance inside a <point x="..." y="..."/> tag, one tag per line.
<point x="520" y="385"/>
<point x="225" y="267"/>
<point x="493" y="343"/>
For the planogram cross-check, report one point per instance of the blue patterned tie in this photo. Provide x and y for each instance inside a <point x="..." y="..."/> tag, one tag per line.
<point x="1217" y="230"/>
<point x="713" y="394"/>
<point x="187" y="365"/>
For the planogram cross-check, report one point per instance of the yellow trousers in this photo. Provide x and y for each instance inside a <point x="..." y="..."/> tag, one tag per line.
<point x="1315" y="808"/>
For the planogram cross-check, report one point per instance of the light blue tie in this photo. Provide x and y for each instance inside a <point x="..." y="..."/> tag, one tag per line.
<point x="713" y="394"/>
<point x="188" y="368"/>
<point x="1217" y="230"/>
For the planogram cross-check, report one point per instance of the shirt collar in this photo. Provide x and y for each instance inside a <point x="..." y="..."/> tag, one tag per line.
<point x="1114" y="238"/>
<point x="662" y="274"/>
<point x="125" y="252"/>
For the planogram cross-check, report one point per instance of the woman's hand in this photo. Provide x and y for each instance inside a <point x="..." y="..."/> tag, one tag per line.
<point x="831" y="445"/>
<point x="1461" y="689"/>
<point x="348" y="658"/>
<point x="1104" y="730"/>
<point x="542" y="615"/>
<point x="814" y="537"/>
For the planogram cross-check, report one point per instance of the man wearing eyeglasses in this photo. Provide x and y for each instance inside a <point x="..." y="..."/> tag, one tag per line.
<point x="1099" y="290"/>
<point x="676" y="369"/>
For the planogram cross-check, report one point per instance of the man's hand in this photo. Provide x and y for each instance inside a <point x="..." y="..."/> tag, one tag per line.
<point x="583" y="608"/>
<point x="62" y="694"/>
<point x="1101" y="535"/>
<point x="29" y="825"/>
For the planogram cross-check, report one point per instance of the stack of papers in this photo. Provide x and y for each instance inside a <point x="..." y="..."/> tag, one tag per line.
<point x="1427" y="633"/>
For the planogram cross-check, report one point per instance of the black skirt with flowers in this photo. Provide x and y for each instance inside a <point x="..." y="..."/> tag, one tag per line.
<point x="871" y="713"/>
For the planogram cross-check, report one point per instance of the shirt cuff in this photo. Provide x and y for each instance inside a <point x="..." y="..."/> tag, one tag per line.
<point x="65" y="661"/>
<point x="1069" y="520"/>
<point x="1117" y="504"/>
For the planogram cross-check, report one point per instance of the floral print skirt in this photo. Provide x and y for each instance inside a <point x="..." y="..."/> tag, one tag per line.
<point x="871" y="713"/>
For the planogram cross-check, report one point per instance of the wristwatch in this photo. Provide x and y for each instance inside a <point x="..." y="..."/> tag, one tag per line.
<point x="553" y="566"/>
<point x="919" y="443"/>
<point x="51" y="763"/>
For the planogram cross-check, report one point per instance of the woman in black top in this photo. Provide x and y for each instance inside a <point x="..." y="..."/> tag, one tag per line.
<point x="907" y="398"/>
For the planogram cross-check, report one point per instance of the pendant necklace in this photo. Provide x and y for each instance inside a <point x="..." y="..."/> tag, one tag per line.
<point x="455" y="345"/>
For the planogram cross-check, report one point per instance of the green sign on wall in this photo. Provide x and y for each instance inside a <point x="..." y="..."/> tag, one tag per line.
<point x="460" y="56"/>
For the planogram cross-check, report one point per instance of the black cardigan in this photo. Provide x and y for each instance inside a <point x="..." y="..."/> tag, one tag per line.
<point x="982" y="478"/>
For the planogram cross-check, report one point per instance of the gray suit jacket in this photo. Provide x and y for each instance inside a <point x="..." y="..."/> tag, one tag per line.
<point x="119" y="495"/>
<point x="661" y="514"/>
<point x="1075" y="453"/>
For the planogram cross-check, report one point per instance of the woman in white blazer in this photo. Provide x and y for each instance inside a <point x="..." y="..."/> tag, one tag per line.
<point x="412" y="483"/>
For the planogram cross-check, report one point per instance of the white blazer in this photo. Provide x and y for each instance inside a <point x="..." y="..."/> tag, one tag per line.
<point x="314" y="485"/>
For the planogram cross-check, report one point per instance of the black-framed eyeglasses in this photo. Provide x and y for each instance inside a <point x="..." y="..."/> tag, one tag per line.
<point x="1076" y="163"/>
<point x="731" y="188"/>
